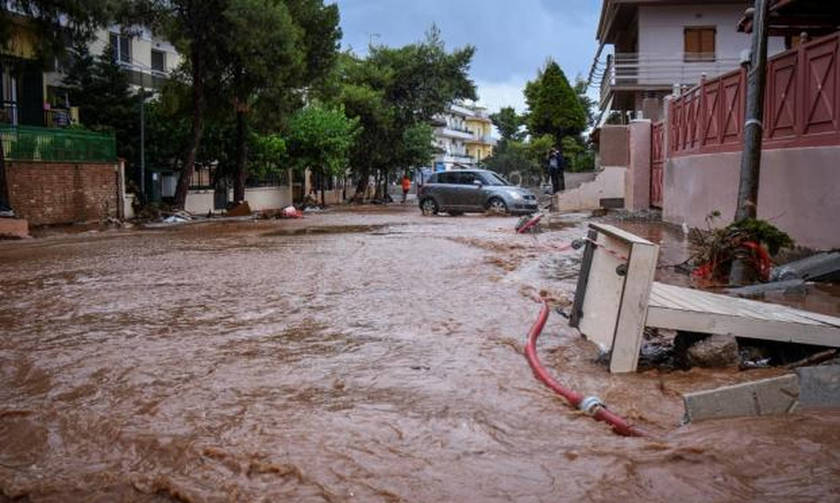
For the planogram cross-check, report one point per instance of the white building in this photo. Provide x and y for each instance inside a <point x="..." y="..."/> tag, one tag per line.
<point x="655" y="46"/>
<point x="461" y="137"/>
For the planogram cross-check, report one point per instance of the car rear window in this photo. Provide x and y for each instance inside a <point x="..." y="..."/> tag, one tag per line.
<point x="433" y="179"/>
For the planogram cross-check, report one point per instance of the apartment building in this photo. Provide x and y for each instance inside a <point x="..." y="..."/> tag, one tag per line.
<point x="480" y="146"/>
<point x="462" y="137"/>
<point x="33" y="94"/>
<point x="655" y="46"/>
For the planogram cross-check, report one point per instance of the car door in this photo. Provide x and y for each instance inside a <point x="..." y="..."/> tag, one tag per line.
<point x="446" y="188"/>
<point x="470" y="194"/>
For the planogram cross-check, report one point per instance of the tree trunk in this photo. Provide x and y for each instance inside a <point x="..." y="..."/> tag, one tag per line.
<point x="241" y="171"/>
<point x="362" y="184"/>
<point x="188" y="168"/>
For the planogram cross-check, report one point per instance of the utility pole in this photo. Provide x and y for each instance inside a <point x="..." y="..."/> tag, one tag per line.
<point x="753" y="127"/>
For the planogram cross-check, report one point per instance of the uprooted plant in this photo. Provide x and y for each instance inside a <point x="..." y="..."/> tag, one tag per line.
<point x="753" y="241"/>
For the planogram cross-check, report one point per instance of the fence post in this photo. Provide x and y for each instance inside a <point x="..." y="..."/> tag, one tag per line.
<point x="121" y="189"/>
<point x="637" y="179"/>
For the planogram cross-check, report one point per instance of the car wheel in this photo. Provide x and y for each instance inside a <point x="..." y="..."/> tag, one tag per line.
<point x="429" y="206"/>
<point x="497" y="205"/>
<point x="455" y="213"/>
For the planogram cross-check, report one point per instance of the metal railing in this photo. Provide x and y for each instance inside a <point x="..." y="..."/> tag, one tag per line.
<point x="24" y="143"/>
<point x="58" y="117"/>
<point x="9" y="112"/>
<point x="662" y="70"/>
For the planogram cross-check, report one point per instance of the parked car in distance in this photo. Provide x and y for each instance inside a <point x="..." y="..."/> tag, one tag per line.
<point x="473" y="191"/>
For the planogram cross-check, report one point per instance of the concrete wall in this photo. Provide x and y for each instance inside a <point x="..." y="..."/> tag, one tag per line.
<point x="608" y="184"/>
<point x="614" y="148"/>
<point x="798" y="191"/>
<point x="661" y="33"/>
<point x="199" y="202"/>
<point x="268" y="198"/>
<point x="47" y="193"/>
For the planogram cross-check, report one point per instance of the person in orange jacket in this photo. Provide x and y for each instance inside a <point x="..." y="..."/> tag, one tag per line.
<point x="406" y="186"/>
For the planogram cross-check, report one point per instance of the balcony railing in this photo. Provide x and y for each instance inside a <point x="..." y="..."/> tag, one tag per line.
<point x="639" y="70"/>
<point x="9" y="113"/>
<point x="60" y="117"/>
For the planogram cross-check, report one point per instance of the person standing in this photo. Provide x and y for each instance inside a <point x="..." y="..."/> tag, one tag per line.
<point x="406" y="186"/>
<point x="555" y="170"/>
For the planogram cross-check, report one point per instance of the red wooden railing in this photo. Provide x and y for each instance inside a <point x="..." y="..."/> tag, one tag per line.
<point x="802" y="104"/>
<point x="657" y="163"/>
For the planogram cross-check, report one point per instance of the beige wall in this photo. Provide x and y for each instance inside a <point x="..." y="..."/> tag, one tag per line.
<point x="608" y="184"/>
<point x="799" y="191"/>
<point x="268" y="198"/>
<point x="614" y="147"/>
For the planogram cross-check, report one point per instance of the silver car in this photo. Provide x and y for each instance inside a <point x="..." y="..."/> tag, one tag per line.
<point x="473" y="190"/>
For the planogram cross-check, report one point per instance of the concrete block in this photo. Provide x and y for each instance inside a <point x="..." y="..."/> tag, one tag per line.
<point x="777" y="395"/>
<point x="15" y="228"/>
<point x="819" y="386"/>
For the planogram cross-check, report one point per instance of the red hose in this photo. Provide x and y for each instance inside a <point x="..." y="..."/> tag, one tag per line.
<point x="619" y="424"/>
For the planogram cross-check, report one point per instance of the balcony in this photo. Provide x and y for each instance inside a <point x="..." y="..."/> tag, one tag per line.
<point x="482" y="139"/>
<point x="452" y="132"/>
<point x="649" y="72"/>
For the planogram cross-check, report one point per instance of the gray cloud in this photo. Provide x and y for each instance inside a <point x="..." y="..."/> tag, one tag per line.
<point x="513" y="38"/>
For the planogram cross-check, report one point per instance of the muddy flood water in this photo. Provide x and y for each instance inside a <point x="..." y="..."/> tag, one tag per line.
<point x="369" y="355"/>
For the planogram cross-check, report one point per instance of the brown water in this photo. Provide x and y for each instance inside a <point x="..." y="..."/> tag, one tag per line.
<point x="379" y="361"/>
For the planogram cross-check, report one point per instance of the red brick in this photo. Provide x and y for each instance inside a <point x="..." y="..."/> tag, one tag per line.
<point x="58" y="193"/>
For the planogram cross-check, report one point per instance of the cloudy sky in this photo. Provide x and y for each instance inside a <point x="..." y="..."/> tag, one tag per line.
<point x="513" y="38"/>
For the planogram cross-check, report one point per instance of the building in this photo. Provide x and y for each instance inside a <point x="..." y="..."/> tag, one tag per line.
<point x="28" y="99"/>
<point x="480" y="146"/>
<point x="34" y="94"/>
<point x="462" y="137"/>
<point x="655" y="46"/>
<point x="688" y="163"/>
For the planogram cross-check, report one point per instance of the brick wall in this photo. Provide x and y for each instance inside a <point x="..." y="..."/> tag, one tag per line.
<point x="57" y="193"/>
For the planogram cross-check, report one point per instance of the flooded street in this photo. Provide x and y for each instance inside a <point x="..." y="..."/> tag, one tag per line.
<point x="367" y="355"/>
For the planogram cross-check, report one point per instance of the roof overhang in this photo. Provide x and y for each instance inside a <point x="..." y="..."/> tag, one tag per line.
<point x="792" y="17"/>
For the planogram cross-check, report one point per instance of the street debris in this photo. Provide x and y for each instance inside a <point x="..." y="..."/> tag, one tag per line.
<point x="751" y="241"/>
<point x="242" y="209"/>
<point x="823" y="266"/>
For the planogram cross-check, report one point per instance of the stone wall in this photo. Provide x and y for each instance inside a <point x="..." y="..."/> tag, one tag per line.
<point x="59" y="193"/>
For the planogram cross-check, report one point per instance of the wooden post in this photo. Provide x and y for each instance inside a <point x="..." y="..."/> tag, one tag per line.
<point x="753" y="128"/>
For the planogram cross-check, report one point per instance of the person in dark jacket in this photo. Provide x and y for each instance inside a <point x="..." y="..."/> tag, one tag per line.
<point x="556" y="165"/>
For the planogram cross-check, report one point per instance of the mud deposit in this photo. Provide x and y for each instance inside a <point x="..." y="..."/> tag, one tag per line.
<point x="378" y="360"/>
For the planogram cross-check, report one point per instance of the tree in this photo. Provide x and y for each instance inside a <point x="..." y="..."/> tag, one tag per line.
<point x="395" y="93"/>
<point x="553" y="106"/>
<point x="99" y="87"/>
<point x="509" y="124"/>
<point x="320" y="139"/>
<point x="198" y="30"/>
<point x="259" y="51"/>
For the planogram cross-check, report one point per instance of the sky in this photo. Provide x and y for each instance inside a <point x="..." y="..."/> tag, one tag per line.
<point x="513" y="38"/>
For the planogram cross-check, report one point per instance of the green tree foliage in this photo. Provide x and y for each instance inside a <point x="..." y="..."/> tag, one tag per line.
<point x="509" y="123"/>
<point x="320" y="139"/>
<point x="99" y="87"/>
<point x="199" y="30"/>
<point x="553" y="106"/>
<point x="259" y="51"/>
<point x="395" y="93"/>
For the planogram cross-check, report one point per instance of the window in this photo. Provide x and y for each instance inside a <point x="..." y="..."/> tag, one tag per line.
<point x="699" y="44"/>
<point x="121" y="46"/>
<point x="158" y="61"/>
<point x="466" y="178"/>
